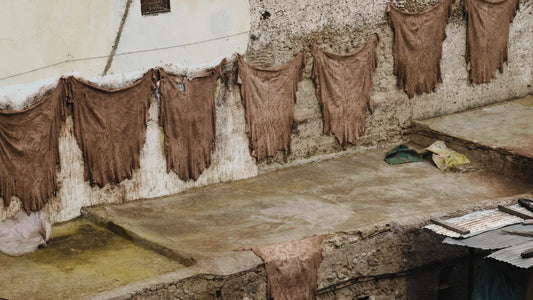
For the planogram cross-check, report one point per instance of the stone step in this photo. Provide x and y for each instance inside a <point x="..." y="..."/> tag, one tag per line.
<point x="500" y="136"/>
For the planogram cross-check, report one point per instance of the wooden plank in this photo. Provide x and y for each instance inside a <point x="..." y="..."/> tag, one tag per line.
<point x="519" y="232"/>
<point x="514" y="212"/>
<point x="526" y="203"/>
<point x="450" y="226"/>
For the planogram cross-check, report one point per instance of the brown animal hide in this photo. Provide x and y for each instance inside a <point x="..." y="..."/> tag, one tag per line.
<point x="268" y="97"/>
<point x="29" y="150"/>
<point x="110" y="127"/>
<point x="417" y="48"/>
<point x="487" y="36"/>
<point x="292" y="268"/>
<point x="188" y="118"/>
<point x="343" y="87"/>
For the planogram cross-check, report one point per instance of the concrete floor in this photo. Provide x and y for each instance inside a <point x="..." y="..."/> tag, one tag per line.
<point x="332" y="196"/>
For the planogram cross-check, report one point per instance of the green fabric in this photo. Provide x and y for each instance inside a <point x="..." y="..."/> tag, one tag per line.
<point x="401" y="155"/>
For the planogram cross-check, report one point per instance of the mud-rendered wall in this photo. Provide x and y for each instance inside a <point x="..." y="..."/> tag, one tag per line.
<point x="230" y="161"/>
<point x="278" y="30"/>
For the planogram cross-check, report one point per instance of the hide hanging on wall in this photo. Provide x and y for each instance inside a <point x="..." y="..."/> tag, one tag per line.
<point x="487" y="36"/>
<point x="292" y="268"/>
<point x="268" y="97"/>
<point x="344" y="87"/>
<point x="29" y="150"/>
<point x="110" y="127"/>
<point x="417" y="47"/>
<point x="188" y="118"/>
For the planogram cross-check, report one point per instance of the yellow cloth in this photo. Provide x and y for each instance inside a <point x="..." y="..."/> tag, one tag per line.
<point x="445" y="158"/>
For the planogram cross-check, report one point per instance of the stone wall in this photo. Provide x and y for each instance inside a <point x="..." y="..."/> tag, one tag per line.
<point x="281" y="29"/>
<point x="386" y="261"/>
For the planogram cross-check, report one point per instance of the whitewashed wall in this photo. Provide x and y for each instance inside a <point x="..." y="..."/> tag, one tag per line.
<point x="58" y="37"/>
<point x="47" y="38"/>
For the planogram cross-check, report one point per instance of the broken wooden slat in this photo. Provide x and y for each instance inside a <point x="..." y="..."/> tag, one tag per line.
<point x="450" y="226"/>
<point x="514" y="212"/>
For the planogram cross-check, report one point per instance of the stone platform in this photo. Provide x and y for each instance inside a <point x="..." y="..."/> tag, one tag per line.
<point x="370" y="212"/>
<point x="499" y="136"/>
<point x="212" y="229"/>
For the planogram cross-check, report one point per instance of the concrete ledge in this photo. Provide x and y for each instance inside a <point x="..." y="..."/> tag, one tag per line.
<point x="371" y="213"/>
<point x="499" y="136"/>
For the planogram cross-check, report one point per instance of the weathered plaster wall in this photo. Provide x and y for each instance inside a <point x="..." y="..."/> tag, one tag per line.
<point x="205" y="31"/>
<point x="77" y="37"/>
<point x="280" y="29"/>
<point x="230" y="161"/>
<point x="48" y="38"/>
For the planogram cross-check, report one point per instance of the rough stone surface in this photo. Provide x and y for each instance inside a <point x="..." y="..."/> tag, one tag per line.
<point x="246" y="285"/>
<point x="280" y="29"/>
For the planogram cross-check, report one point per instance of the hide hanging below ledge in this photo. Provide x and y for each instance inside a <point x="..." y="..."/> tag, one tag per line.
<point x="344" y="87"/>
<point x="417" y="47"/>
<point x="487" y="36"/>
<point x="268" y="97"/>
<point x="292" y="268"/>
<point x="188" y="118"/>
<point x="29" y="150"/>
<point x="110" y="127"/>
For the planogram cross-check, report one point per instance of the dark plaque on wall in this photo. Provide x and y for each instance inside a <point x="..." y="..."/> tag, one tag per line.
<point x="152" y="7"/>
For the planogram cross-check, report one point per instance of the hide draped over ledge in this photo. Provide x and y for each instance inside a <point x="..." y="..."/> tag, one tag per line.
<point x="268" y="96"/>
<point x="292" y="268"/>
<point x="110" y="127"/>
<point x="417" y="47"/>
<point x="29" y="150"/>
<point x="188" y="118"/>
<point x="487" y="36"/>
<point x="344" y="87"/>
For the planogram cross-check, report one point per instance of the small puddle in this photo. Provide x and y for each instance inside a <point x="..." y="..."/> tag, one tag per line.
<point x="80" y="259"/>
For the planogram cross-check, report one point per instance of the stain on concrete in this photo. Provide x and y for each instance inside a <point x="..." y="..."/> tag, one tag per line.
<point x="80" y="259"/>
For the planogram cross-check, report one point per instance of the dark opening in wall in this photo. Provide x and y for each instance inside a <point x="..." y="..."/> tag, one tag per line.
<point x="153" y="7"/>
